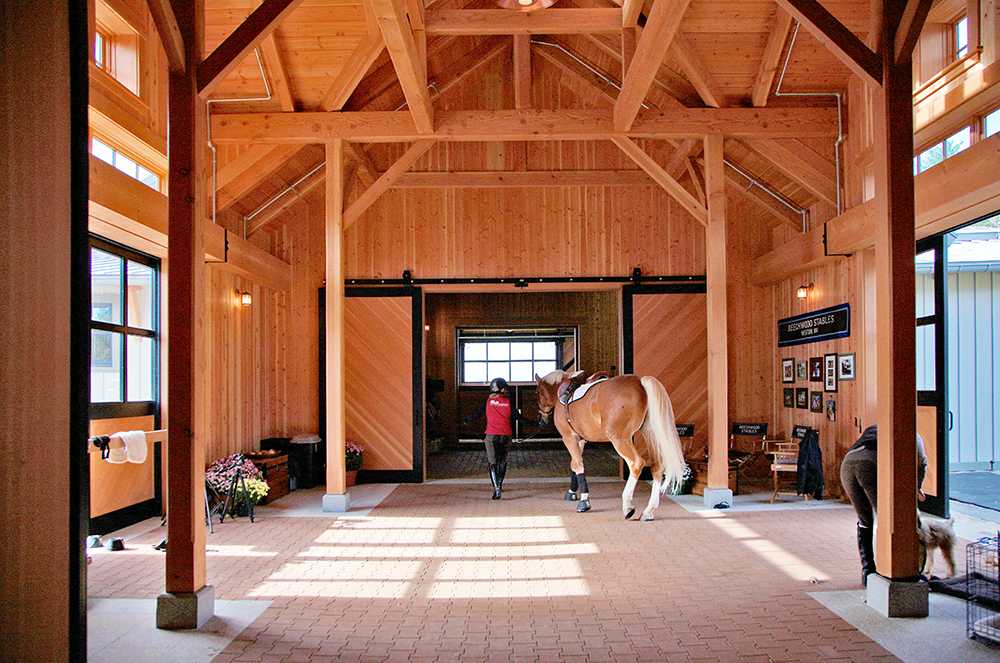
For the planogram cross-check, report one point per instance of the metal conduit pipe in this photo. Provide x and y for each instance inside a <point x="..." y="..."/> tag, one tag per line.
<point x="840" y="125"/>
<point x="208" y="119"/>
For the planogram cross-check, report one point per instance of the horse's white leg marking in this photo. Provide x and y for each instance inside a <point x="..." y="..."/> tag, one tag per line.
<point x="654" y="497"/>
<point x="628" y="493"/>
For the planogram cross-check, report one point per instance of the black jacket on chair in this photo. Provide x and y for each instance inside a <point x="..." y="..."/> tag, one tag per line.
<point x="809" y="476"/>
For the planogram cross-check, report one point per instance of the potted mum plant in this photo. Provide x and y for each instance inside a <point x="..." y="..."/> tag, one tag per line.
<point x="353" y="458"/>
<point x="221" y="474"/>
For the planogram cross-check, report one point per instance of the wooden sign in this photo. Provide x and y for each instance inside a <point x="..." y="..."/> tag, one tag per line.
<point x="822" y="325"/>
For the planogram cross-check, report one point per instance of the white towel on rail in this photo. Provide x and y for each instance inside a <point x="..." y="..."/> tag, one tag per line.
<point x="116" y="449"/>
<point x="135" y="446"/>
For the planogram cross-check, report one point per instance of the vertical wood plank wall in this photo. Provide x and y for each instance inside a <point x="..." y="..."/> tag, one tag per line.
<point x="378" y="349"/>
<point x="116" y="486"/>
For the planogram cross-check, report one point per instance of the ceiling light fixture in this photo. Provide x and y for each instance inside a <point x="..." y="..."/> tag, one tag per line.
<point x="525" y="5"/>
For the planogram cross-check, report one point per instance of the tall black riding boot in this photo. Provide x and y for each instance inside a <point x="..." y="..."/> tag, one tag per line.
<point x="866" y="549"/>
<point x="496" y="482"/>
<point x="501" y="472"/>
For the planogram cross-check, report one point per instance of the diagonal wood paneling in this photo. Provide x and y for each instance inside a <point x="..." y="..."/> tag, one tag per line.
<point x="669" y="342"/>
<point x="378" y="348"/>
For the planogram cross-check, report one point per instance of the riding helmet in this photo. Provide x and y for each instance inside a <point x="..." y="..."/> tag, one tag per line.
<point x="497" y="385"/>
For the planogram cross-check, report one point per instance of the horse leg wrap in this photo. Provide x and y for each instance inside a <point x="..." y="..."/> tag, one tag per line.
<point x="574" y="485"/>
<point x="584" y="504"/>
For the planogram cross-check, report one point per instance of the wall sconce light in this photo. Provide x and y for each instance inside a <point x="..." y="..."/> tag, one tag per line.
<point x="803" y="291"/>
<point x="244" y="298"/>
<point x="427" y="327"/>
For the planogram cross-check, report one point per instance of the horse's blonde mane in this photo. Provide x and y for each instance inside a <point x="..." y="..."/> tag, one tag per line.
<point x="556" y="377"/>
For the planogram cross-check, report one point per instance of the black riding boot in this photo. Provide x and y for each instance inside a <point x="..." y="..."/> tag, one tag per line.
<point x="496" y="482"/>
<point x="866" y="549"/>
<point x="501" y="472"/>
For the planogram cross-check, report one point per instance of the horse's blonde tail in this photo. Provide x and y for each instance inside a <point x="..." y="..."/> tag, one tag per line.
<point x="660" y="430"/>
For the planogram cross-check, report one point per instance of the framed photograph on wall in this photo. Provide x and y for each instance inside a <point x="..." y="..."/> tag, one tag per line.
<point x="815" y="369"/>
<point x="789" y="397"/>
<point x="816" y="401"/>
<point x="801" y="398"/>
<point x="788" y="370"/>
<point x="846" y="366"/>
<point x="831" y="410"/>
<point x="830" y="372"/>
<point x="801" y="371"/>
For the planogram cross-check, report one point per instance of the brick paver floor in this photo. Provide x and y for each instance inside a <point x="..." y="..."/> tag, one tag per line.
<point x="440" y="572"/>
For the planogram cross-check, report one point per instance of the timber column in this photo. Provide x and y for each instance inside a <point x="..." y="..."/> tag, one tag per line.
<point x="716" y="270"/>
<point x="337" y="499"/>
<point x="188" y="602"/>
<point x="895" y="590"/>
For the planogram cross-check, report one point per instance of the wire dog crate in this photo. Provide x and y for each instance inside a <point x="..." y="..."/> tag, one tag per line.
<point x="982" y="608"/>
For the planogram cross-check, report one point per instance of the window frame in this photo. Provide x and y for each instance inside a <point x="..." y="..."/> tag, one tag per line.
<point x="125" y="407"/>
<point x="139" y="161"/>
<point x="469" y="335"/>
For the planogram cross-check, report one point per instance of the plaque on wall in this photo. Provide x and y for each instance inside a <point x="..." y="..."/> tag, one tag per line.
<point x="822" y="325"/>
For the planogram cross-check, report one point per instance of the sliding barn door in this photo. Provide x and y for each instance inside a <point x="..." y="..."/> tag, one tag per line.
<point x="665" y="335"/>
<point x="383" y="358"/>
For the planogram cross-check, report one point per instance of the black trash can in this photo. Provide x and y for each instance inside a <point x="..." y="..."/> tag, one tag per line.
<point x="305" y="451"/>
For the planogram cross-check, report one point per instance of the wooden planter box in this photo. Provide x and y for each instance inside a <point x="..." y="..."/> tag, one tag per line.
<point x="274" y="467"/>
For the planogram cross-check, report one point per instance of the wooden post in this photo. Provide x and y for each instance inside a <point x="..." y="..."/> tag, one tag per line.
<point x="336" y="498"/>
<point x="188" y="602"/>
<point x="891" y="590"/>
<point x="718" y="335"/>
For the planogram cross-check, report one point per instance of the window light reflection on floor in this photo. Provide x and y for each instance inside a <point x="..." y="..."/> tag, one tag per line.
<point x="789" y="564"/>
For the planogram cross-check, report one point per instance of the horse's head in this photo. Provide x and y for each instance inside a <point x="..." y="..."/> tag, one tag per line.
<point x="548" y="393"/>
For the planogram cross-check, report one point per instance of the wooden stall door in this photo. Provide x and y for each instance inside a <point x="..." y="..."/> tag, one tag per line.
<point x="665" y="336"/>
<point x="384" y="382"/>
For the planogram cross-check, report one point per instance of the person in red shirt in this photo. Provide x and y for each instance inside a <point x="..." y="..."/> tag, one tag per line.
<point x="500" y="415"/>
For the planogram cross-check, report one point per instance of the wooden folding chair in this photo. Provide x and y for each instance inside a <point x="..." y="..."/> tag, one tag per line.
<point x="785" y="461"/>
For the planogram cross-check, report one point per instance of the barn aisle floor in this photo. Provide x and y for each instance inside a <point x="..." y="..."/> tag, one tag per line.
<point x="440" y="572"/>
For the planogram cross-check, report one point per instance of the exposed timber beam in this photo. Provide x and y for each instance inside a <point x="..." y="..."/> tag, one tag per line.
<point x="503" y="22"/>
<point x="681" y="155"/>
<point x="660" y="176"/>
<point x="228" y="55"/>
<point x="278" y="207"/>
<point x="602" y="83"/>
<point x="169" y="31"/>
<point x="242" y="174"/>
<point x="801" y="165"/>
<point x="694" y="68"/>
<point x="354" y="70"/>
<point x="840" y="41"/>
<point x="521" y="179"/>
<point x="367" y="170"/>
<point x="276" y="65"/>
<point x="772" y="56"/>
<point x="630" y="12"/>
<point x="763" y="199"/>
<point x="408" y="59"/>
<point x="366" y="199"/>
<point x="528" y="124"/>
<point x="662" y="24"/>
<point x="522" y="71"/>
<point x="672" y="83"/>
<point x="910" y="25"/>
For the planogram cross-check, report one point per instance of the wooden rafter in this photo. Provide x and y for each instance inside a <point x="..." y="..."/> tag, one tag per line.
<point x="411" y="68"/>
<point x="522" y="71"/>
<point x="276" y="66"/>
<point x="783" y="213"/>
<point x="291" y="197"/>
<point x="367" y="170"/>
<point x="170" y="34"/>
<point x="630" y="12"/>
<point x="801" y="165"/>
<point x="368" y="198"/>
<point x="242" y="174"/>
<point x="244" y="39"/>
<point x="662" y="24"/>
<point x="840" y="41"/>
<point x="673" y="84"/>
<point x="529" y="124"/>
<point x="681" y="156"/>
<point x="910" y="25"/>
<point x="772" y="56"/>
<point x="584" y="74"/>
<point x="502" y="22"/>
<point x="696" y="71"/>
<point x="353" y="71"/>
<point x="660" y="176"/>
<point x="521" y="179"/>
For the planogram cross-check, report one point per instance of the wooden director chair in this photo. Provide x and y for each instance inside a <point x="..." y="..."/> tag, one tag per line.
<point x="746" y="453"/>
<point x="784" y="456"/>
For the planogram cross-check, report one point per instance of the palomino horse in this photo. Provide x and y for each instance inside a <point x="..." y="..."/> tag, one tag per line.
<point x="615" y="409"/>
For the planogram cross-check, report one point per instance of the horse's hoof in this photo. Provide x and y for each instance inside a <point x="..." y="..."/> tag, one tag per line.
<point x="629" y="513"/>
<point x="584" y="505"/>
<point x="571" y="496"/>
<point x="646" y="516"/>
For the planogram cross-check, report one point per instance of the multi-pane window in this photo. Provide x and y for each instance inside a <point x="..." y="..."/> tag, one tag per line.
<point x="125" y="164"/>
<point x="123" y="328"/>
<point x="515" y="355"/>
<point x="991" y="123"/>
<point x="962" y="37"/>
<point x="947" y="148"/>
